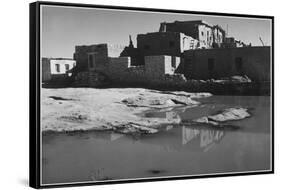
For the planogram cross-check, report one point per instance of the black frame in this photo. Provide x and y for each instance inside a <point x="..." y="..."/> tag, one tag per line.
<point x="34" y="93"/>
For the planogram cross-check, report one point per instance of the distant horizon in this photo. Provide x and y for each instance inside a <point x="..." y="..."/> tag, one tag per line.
<point x="63" y="28"/>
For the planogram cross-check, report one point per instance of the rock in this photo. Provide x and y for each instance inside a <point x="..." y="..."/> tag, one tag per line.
<point x="158" y="101"/>
<point x="227" y="115"/>
<point x="116" y="109"/>
<point x="205" y="120"/>
<point x="241" y="79"/>
<point x="130" y="128"/>
<point x="231" y="80"/>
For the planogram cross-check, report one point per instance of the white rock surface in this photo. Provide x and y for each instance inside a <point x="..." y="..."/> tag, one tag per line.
<point x="77" y="109"/>
<point x="226" y="115"/>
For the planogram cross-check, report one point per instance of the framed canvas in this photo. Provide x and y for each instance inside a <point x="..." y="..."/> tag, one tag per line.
<point x="126" y="94"/>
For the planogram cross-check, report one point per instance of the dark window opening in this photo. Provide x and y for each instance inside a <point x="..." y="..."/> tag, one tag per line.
<point x="66" y="67"/>
<point x="202" y="33"/>
<point x="211" y="64"/>
<point x="238" y="63"/>
<point x="174" y="61"/>
<point x="171" y="44"/>
<point x="147" y="47"/>
<point x="91" y="60"/>
<point x="58" y="68"/>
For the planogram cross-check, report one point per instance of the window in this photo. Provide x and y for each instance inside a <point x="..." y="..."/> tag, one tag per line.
<point x="238" y="63"/>
<point x="174" y="61"/>
<point x="171" y="44"/>
<point x="91" y="60"/>
<point x="57" y="68"/>
<point x="66" y="67"/>
<point x="202" y="33"/>
<point x="147" y="47"/>
<point x="211" y="64"/>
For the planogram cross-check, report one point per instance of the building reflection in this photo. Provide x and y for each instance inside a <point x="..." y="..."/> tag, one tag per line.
<point x="207" y="137"/>
<point x="190" y="136"/>
<point x="173" y="137"/>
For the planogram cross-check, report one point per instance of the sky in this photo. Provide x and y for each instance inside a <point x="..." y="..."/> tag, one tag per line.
<point x="62" y="28"/>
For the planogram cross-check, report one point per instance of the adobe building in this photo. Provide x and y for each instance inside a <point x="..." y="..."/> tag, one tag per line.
<point x="94" y="56"/>
<point x="154" y="70"/>
<point x="208" y="36"/>
<point x="178" y="52"/>
<point x="134" y="53"/>
<point x="175" y="38"/>
<point x="253" y="62"/>
<point x="56" y="68"/>
<point x="165" y="43"/>
<point x="231" y="42"/>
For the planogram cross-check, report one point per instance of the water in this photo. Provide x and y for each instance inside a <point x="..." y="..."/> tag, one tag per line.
<point x="176" y="150"/>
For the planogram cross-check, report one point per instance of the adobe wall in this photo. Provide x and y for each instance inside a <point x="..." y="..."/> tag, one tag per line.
<point x="82" y="52"/>
<point x="205" y="36"/>
<point x="46" y="70"/>
<point x="188" y="43"/>
<point x="160" y="70"/>
<point x="62" y="67"/>
<point x="255" y="63"/>
<point x="117" y="67"/>
<point x="49" y="71"/>
<point x="159" y="43"/>
<point x="188" y="29"/>
<point x="136" y="57"/>
<point x="157" y="70"/>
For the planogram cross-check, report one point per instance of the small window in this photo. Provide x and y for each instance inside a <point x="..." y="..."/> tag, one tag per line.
<point x="91" y="60"/>
<point x="202" y="33"/>
<point x="57" y="68"/>
<point x="147" y="47"/>
<point x="171" y="44"/>
<point x="174" y="61"/>
<point x="67" y="67"/>
<point x="211" y="64"/>
<point x="238" y="63"/>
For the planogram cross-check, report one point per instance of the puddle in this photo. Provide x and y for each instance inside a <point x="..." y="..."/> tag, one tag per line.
<point x="175" y="150"/>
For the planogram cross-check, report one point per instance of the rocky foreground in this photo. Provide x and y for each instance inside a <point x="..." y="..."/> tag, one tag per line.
<point x="118" y="109"/>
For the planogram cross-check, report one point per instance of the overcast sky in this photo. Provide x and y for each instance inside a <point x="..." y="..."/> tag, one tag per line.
<point x="64" y="27"/>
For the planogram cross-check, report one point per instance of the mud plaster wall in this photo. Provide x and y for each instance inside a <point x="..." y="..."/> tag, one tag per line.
<point x="160" y="43"/>
<point x="205" y="36"/>
<point x="82" y="52"/>
<point x="188" y="29"/>
<point x="255" y="63"/>
<point x="62" y="65"/>
<point x="157" y="69"/>
<point x="46" y="70"/>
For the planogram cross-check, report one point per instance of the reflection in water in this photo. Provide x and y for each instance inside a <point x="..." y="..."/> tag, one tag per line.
<point x="207" y="135"/>
<point x="175" y="150"/>
<point x="210" y="136"/>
